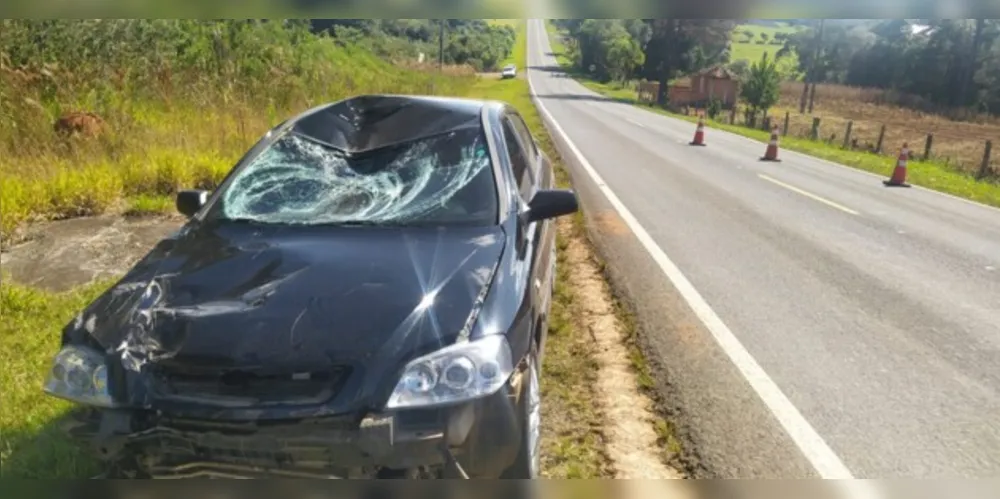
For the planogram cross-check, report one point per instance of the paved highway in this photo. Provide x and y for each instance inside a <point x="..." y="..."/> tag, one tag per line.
<point x="804" y="320"/>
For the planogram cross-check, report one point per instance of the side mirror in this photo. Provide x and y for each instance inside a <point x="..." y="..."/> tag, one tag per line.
<point x="552" y="203"/>
<point x="190" y="201"/>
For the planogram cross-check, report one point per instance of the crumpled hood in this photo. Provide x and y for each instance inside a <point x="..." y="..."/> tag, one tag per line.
<point x="273" y="300"/>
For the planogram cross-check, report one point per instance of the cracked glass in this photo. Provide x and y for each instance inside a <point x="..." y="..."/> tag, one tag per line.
<point x="445" y="179"/>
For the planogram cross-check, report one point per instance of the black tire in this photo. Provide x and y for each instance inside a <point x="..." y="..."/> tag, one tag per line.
<point x="526" y="465"/>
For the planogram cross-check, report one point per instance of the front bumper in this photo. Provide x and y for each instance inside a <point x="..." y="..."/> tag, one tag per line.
<point x="482" y="437"/>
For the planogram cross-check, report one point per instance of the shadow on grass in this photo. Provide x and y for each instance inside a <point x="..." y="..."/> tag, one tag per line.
<point x="45" y="453"/>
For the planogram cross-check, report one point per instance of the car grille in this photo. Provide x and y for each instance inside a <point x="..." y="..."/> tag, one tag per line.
<point x="236" y="385"/>
<point x="187" y="447"/>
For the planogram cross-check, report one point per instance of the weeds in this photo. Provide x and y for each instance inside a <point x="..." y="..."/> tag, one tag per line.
<point x="181" y="100"/>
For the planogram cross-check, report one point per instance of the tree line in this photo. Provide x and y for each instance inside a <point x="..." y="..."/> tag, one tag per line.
<point x="940" y="63"/>
<point x="947" y="63"/>
<point x="475" y="42"/>
<point x="652" y="49"/>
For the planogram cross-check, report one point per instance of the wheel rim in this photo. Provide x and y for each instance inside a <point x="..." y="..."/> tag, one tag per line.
<point x="534" y="401"/>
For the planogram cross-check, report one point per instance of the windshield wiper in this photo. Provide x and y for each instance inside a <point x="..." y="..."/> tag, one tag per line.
<point x="244" y="220"/>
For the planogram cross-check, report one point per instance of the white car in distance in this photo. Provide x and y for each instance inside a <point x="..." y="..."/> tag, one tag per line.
<point x="508" y="71"/>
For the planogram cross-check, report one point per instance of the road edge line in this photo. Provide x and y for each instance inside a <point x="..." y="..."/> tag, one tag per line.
<point x="809" y="442"/>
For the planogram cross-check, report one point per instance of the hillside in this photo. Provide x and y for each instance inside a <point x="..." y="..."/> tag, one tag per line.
<point x="751" y="40"/>
<point x="175" y="102"/>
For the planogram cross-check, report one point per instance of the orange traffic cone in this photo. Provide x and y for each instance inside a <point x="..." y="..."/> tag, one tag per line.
<point x="771" y="154"/>
<point x="699" y="133"/>
<point x="898" y="178"/>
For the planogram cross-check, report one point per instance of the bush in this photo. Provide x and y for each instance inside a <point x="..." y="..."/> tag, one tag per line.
<point x="714" y="107"/>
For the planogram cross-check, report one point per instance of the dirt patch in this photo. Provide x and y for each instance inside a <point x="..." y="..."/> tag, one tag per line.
<point x="611" y="223"/>
<point x="79" y="123"/>
<point x="632" y="443"/>
<point x="61" y="255"/>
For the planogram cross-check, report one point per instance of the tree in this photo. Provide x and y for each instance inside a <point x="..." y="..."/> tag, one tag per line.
<point x="988" y="80"/>
<point x="678" y="46"/>
<point x="825" y="53"/>
<point x="624" y="57"/>
<point x="741" y="68"/>
<point x="941" y="63"/>
<point x="761" y="88"/>
<point x="590" y="36"/>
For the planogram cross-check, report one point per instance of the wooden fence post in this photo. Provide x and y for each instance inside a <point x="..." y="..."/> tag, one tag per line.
<point x="984" y="168"/>
<point x="814" y="134"/>
<point x="927" y="146"/>
<point x="784" y="131"/>
<point x="881" y="137"/>
<point x="847" y="134"/>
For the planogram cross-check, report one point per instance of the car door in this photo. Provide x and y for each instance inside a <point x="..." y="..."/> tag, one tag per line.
<point x="539" y="254"/>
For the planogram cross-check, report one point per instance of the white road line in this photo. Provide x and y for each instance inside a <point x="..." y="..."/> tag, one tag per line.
<point x="634" y="122"/>
<point x="807" y="194"/>
<point x="809" y="442"/>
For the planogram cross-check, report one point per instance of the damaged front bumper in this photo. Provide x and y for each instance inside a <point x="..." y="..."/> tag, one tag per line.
<point x="474" y="439"/>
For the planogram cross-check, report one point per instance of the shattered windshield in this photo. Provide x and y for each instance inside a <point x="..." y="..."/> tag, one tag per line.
<point x="445" y="179"/>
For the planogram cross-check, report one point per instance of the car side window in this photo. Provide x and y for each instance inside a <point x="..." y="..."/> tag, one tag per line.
<point x="518" y="159"/>
<point x="525" y="133"/>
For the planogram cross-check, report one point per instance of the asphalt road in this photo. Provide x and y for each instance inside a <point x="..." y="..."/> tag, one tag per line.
<point x="804" y="320"/>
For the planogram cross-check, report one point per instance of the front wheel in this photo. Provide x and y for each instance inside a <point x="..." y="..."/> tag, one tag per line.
<point x="528" y="461"/>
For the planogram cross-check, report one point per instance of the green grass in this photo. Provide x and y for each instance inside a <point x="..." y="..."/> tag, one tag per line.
<point x="31" y="445"/>
<point x="752" y="51"/>
<point x="146" y="204"/>
<point x="929" y="174"/>
<point x="184" y="127"/>
<point x="664" y="428"/>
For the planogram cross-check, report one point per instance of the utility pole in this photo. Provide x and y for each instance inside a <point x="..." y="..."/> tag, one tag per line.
<point x="811" y="73"/>
<point x="441" y="46"/>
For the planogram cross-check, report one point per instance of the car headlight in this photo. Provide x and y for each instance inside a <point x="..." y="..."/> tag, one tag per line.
<point x="457" y="373"/>
<point x="79" y="374"/>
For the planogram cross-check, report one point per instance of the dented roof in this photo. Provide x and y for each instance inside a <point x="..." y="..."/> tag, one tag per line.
<point x="369" y="122"/>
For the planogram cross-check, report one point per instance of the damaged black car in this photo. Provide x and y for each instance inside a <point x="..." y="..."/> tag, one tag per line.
<point x="365" y="295"/>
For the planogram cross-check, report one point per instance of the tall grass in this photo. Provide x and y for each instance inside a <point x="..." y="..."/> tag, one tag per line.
<point x="181" y="99"/>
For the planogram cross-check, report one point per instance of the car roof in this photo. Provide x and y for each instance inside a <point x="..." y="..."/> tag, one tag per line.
<point x="366" y="122"/>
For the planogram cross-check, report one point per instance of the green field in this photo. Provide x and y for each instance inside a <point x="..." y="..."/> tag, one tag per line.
<point x="752" y="50"/>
